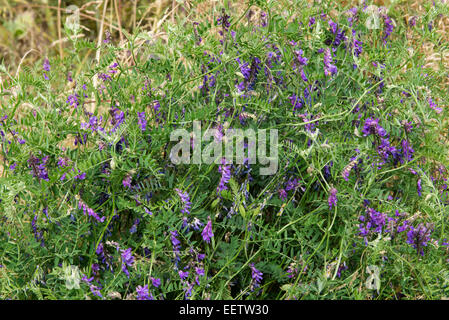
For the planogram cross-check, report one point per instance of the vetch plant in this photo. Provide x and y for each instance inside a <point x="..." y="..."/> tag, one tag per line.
<point x="274" y="155"/>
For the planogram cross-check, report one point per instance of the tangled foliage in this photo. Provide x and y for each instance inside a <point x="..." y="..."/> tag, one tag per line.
<point x="92" y="207"/>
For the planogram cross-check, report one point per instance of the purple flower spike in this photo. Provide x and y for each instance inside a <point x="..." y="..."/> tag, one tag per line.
<point x="142" y="120"/>
<point x="127" y="260"/>
<point x="176" y="245"/>
<point x="127" y="181"/>
<point x="282" y="194"/>
<point x="388" y="23"/>
<point x="434" y="106"/>
<point x="372" y="126"/>
<point x="83" y="206"/>
<point x="46" y="67"/>
<point x="183" y="274"/>
<point x="207" y="231"/>
<point x="256" y="276"/>
<point x="332" y="198"/>
<point x="419" y="237"/>
<point x="329" y="68"/>
<point x="38" y="167"/>
<point x="156" y="282"/>
<point x="185" y="200"/>
<point x="225" y="171"/>
<point x="143" y="293"/>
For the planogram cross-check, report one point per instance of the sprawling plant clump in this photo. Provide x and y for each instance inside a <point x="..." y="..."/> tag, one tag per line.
<point x="93" y="207"/>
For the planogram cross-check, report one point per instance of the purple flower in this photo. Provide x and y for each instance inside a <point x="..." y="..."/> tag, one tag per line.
<point x="142" y="121"/>
<point x="329" y="68"/>
<point x="332" y="200"/>
<point x="95" y="268"/>
<point x="249" y="73"/>
<point x="176" y="245"/>
<point x="104" y="76"/>
<point x="372" y="222"/>
<point x="94" y="289"/>
<point x="196" y="224"/>
<point x="80" y="139"/>
<point x="333" y="26"/>
<point x="385" y="150"/>
<point x="282" y="194"/>
<point x="312" y="21"/>
<point x="372" y="126"/>
<point x="38" y="235"/>
<point x="73" y="100"/>
<point x="296" y="102"/>
<point x="434" y="106"/>
<point x="353" y="13"/>
<point x="93" y="124"/>
<point x="201" y="256"/>
<point x="223" y="20"/>
<point x="80" y="176"/>
<point x="156" y="108"/>
<point x="207" y="231"/>
<point x="156" y="282"/>
<point x="197" y="36"/>
<point x="388" y="24"/>
<point x="127" y="181"/>
<point x="292" y="271"/>
<point x="338" y="33"/>
<point x="199" y="271"/>
<point x="407" y="151"/>
<point x="38" y="167"/>
<point x="291" y="184"/>
<point x="185" y="200"/>
<point x="133" y="228"/>
<point x="100" y="249"/>
<point x="419" y="237"/>
<point x="112" y="68"/>
<point x="310" y="127"/>
<point x="83" y="206"/>
<point x="225" y="171"/>
<point x="303" y="76"/>
<point x="341" y="268"/>
<point x="356" y="44"/>
<point x="419" y="187"/>
<point x="118" y="117"/>
<point x="107" y="38"/>
<point x="408" y="126"/>
<point x="127" y="260"/>
<point x="46" y="67"/>
<point x="143" y="293"/>
<point x="63" y="162"/>
<point x="256" y="276"/>
<point x="300" y="59"/>
<point x="263" y="19"/>
<point x="183" y="274"/>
